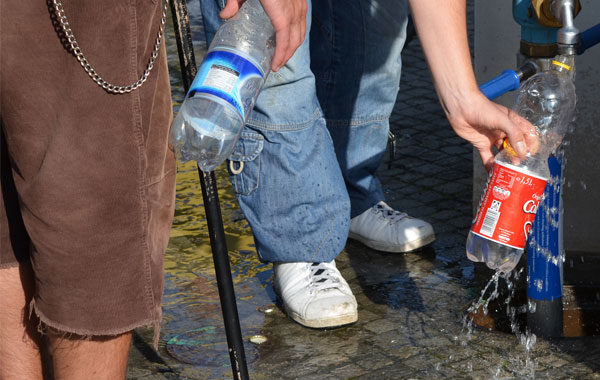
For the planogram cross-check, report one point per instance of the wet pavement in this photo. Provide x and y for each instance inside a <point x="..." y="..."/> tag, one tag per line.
<point x="411" y="306"/>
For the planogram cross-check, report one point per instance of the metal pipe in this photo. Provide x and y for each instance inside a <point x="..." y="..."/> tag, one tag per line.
<point x="187" y="60"/>
<point x="528" y="69"/>
<point x="509" y="80"/>
<point x="544" y="259"/>
<point x="589" y="38"/>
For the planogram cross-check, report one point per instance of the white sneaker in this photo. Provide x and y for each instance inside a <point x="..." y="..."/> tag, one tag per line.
<point x="315" y="294"/>
<point x="385" y="229"/>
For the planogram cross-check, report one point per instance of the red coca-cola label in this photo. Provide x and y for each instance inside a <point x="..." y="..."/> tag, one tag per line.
<point x="509" y="205"/>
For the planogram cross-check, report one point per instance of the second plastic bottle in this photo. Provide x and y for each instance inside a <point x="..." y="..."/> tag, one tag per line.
<point x="225" y="88"/>
<point x="515" y="186"/>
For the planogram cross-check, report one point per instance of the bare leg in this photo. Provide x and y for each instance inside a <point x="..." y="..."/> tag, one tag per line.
<point x="20" y="356"/>
<point x="98" y="358"/>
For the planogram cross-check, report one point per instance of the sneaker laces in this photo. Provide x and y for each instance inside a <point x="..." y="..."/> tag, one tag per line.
<point x="322" y="277"/>
<point x="389" y="213"/>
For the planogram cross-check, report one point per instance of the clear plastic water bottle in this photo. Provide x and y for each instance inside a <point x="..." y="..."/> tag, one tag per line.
<point x="515" y="186"/>
<point x="225" y="88"/>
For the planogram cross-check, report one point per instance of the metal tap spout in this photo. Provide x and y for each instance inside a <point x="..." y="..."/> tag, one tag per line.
<point x="567" y="37"/>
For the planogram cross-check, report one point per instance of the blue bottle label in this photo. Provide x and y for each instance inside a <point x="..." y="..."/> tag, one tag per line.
<point x="229" y="75"/>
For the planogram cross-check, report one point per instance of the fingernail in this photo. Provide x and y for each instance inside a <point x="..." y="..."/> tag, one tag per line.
<point x="521" y="148"/>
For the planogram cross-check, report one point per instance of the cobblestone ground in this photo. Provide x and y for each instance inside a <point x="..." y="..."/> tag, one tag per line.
<point x="411" y="306"/>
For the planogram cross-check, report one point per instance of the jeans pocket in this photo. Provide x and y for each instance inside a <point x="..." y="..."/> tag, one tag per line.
<point x="244" y="163"/>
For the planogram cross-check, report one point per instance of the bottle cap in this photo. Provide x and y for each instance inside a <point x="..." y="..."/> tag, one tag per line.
<point x="508" y="148"/>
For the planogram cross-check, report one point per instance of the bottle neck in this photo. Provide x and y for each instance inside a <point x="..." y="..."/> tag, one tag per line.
<point x="564" y="64"/>
<point x="535" y="164"/>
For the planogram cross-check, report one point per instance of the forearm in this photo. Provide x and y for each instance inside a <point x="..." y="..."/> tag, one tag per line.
<point x="441" y="25"/>
<point x="442" y="29"/>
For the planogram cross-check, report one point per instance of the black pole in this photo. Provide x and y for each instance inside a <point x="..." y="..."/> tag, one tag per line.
<point x="223" y="271"/>
<point x="545" y="318"/>
<point x="187" y="60"/>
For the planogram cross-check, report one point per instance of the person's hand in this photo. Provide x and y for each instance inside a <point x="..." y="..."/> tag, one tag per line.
<point x="289" y="20"/>
<point x="486" y="124"/>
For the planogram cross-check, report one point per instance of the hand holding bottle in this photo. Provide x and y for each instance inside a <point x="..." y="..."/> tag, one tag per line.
<point x="486" y="125"/>
<point x="289" y="20"/>
<point x="516" y="185"/>
<point x="225" y="88"/>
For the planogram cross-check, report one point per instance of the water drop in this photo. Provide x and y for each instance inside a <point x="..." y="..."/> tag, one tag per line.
<point x="267" y="309"/>
<point x="531" y="306"/>
<point x="258" y="339"/>
<point x="539" y="284"/>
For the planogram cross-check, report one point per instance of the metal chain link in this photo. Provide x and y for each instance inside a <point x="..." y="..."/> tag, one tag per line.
<point x="76" y="49"/>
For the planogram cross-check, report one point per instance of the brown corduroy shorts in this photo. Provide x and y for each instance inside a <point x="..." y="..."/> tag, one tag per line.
<point x="88" y="178"/>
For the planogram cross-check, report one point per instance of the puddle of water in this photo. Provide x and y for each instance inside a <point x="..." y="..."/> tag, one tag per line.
<point x="192" y="319"/>
<point x="191" y="301"/>
<point x="207" y="346"/>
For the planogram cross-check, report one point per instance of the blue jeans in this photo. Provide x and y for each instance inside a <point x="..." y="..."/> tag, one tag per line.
<point x="292" y="189"/>
<point x="356" y="48"/>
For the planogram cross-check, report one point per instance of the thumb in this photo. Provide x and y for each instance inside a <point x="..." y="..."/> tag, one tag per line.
<point x="527" y="131"/>
<point x="517" y="130"/>
<point x="231" y="8"/>
<point x="517" y="141"/>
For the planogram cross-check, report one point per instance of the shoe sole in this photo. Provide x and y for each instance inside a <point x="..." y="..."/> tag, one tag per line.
<point x="339" y="321"/>
<point x="407" y="247"/>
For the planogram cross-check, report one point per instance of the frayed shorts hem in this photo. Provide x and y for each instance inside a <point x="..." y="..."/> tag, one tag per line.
<point x="10" y="265"/>
<point x="58" y="329"/>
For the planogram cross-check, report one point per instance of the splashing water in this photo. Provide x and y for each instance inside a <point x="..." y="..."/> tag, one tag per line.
<point x="521" y="366"/>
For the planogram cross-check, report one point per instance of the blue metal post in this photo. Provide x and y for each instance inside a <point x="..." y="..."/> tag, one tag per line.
<point x="544" y="260"/>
